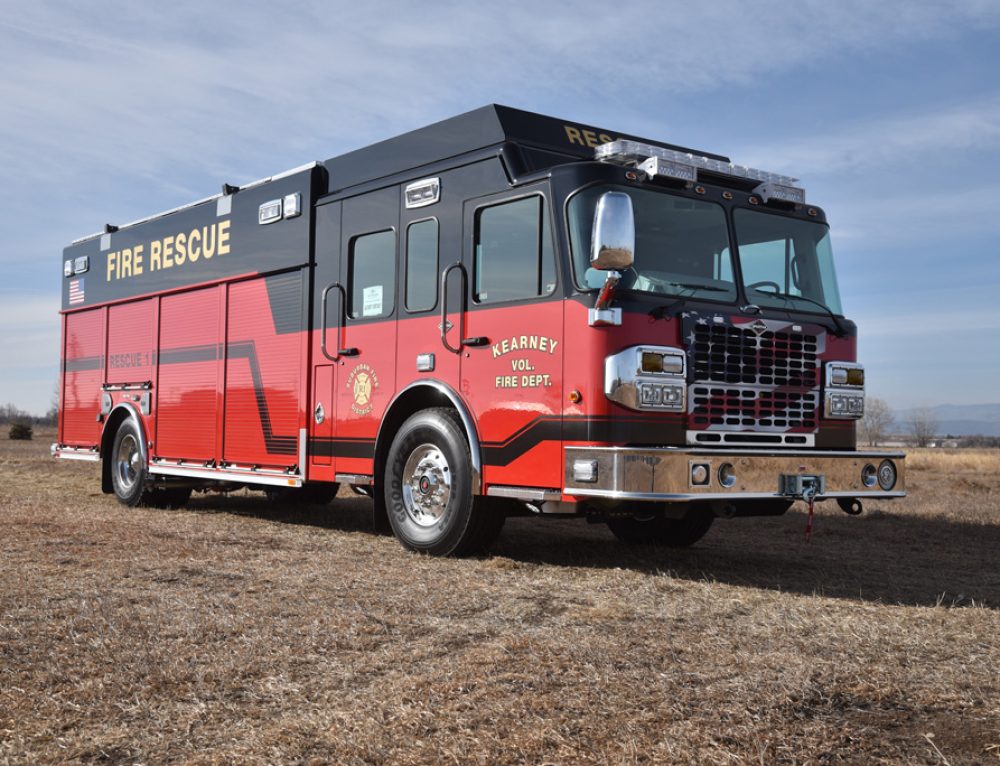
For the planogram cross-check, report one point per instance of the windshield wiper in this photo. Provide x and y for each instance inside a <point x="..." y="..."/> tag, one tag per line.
<point x="840" y="332"/>
<point x="696" y="286"/>
<point x="661" y="312"/>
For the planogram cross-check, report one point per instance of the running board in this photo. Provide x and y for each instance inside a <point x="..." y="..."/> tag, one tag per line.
<point x="355" y="479"/>
<point x="232" y="474"/>
<point x="530" y="494"/>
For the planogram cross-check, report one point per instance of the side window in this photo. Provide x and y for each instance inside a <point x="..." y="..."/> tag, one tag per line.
<point x="421" y="265"/>
<point x="372" y="274"/>
<point x="514" y="256"/>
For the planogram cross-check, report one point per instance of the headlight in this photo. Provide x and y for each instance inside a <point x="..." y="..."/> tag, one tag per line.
<point x="647" y="378"/>
<point x="845" y="374"/>
<point x="657" y="362"/>
<point x="845" y="391"/>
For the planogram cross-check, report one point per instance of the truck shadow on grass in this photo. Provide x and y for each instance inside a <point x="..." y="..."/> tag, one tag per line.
<point x="882" y="557"/>
<point x="879" y="557"/>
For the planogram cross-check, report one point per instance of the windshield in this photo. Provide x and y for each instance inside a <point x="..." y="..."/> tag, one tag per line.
<point x="783" y="258"/>
<point x="681" y="245"/>
<point x="682" y="249"/>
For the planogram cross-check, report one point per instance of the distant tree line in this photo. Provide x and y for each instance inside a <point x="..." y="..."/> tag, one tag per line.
<point x="11" y="414"/>
<point x="981" y="441"/>
<point x="920" y="427"/>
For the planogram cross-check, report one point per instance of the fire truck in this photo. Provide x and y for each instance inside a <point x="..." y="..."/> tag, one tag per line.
<point x="501" y="313"/>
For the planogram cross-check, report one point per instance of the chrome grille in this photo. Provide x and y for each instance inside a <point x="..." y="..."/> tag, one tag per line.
<point x="739" y="408"/>
<point x="745" y="381"/>
<point x="726" y="354"/>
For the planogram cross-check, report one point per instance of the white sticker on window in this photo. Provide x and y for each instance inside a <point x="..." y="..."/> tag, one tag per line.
<point x="371" y="301"/>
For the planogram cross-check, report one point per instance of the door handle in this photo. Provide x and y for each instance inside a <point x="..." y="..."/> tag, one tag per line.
<point x="444" y="306"/>
<point x="341" y="311"/>
<point x="478" y="340"/>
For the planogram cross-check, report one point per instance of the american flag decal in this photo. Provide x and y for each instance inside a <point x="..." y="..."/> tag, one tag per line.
<point x="76" y="294"/>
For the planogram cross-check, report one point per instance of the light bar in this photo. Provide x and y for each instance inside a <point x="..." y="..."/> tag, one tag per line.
<point x="682" y="171"/>
<point x="782" y="192"/>
<point x="775" y="185"/>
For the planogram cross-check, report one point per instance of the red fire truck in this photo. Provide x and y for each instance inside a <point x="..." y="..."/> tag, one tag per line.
<point x="500" y="313"/>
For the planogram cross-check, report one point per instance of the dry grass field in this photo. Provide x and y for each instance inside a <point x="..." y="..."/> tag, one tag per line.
<point x="238" y="632"/>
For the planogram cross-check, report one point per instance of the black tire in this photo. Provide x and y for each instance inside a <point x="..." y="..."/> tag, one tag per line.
<point x="650" y="527"/>
<point x="427" y="487"/>
<point x="128" y="470"/>
<point x="130" y="478"/>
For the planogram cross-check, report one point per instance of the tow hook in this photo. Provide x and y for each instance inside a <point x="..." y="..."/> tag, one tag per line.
<point x="805" y="488"/>
<point x="850" y="505"/>
<point x="809" y="495"/>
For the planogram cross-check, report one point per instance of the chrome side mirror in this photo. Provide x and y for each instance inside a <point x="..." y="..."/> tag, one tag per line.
<point x="613" y="238"/>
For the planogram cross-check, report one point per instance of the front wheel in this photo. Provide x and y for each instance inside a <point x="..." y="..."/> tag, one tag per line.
<point x="652" y="528"/>
<point x="428" y="488"/>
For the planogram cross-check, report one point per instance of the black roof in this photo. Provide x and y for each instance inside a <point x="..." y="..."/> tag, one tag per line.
<point x="488" y="126"/>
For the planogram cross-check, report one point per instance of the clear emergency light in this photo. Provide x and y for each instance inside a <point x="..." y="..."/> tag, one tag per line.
<point x="670" y="163"/>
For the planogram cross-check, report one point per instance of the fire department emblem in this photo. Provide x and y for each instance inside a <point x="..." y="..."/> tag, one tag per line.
<point x="362" y="383"/>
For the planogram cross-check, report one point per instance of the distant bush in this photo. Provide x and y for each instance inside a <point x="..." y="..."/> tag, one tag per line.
<point x="20" y="431"/>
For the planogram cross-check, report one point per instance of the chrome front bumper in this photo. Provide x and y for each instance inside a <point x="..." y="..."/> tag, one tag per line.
<point x="665" y="474"/>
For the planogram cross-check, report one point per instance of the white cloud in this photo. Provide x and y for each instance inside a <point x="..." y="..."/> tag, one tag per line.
<point x="888" y="214"/>
<point x="182" y="85"/>
<point x="933" y="137"/>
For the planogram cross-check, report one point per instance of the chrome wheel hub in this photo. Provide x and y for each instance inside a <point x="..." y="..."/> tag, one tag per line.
<point x="128" y="462"/>
<point x="426" y="485"/>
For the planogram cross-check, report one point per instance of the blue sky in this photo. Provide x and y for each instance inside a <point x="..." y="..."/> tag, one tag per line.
<point x="889" y="112"/>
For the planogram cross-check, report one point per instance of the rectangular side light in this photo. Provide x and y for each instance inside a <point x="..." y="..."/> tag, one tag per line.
<point x="293" y="205"/>
<point x="269" y="212"/>
<point x="423" y="193"/>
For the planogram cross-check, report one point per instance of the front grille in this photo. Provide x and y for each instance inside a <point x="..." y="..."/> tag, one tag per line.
<point x="743" y="381"/>
<point x="739" y="408"/>
<point x="725" y="354"/>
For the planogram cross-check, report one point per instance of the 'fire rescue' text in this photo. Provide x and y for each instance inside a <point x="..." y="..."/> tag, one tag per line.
<point x="203" y="242"/>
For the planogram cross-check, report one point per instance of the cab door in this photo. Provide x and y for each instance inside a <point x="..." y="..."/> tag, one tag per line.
<point x="366" y="372"/>
<point x="430" y="248"/>
<point x="512" y="334"/>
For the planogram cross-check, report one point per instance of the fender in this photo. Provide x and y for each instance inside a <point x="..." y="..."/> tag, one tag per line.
<point x="119" y="413"/>
<point x="439" y="390"/>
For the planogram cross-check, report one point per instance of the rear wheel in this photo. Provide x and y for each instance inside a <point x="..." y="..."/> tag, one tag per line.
<point x="130" y="478"/>
<point x="428" y="489"/>
<point x="651" y="527"/>
<point x="128" y="470"/>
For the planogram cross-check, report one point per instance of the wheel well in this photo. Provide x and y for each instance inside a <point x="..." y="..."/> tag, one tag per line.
<point x="409" y="402"/>
<point x="118" y="416"/>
